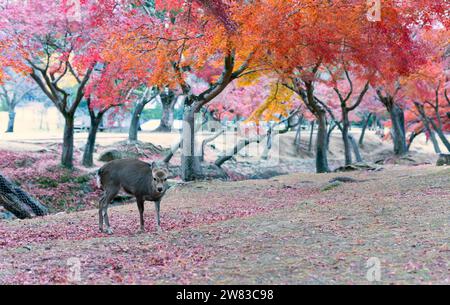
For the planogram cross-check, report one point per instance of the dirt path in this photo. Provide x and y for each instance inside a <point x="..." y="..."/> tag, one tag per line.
<point x="283" y="230"/>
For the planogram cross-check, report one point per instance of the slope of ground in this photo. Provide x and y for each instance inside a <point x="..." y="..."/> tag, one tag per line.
<point x="290" y="229"/>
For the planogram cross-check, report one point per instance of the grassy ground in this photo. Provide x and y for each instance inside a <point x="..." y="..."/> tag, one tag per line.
<point x="290" y="229"/>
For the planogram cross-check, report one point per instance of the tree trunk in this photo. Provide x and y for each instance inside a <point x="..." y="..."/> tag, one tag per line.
<point x="166" y="120"/>
<point x="298" y="134"/>
<point x="398" y="123"/>
<point x="11" y="119"/>
<point x="168" y="101"/>
<point x="134" y="125"/>
<point x="178" y="145"/>
<point x="436" y="147"/>
<point x="265" y="153"/>
<point x="190" y="161"/>
<point x="412" y="136"/>
<point x="207" y="140"/>
<point x="19" y="202"/>
<point x="363" y="131"/>
<point x="67" y="149"/>
<point x="345" y="138"/>
<point x="330" y="131"/>
<point x="321" y="144"/>
<point x="173" y="150"/>
<point x="311" y="136"/>
<point x="240" y="145"/>
<point x="88" y="160"/>
<point x="398" y="129"/>
<point x="428" y="129"/>
<point x="441" y="135"/>
<point x="355" y="147"/>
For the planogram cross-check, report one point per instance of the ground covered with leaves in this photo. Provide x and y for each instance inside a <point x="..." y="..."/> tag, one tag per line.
<point x="296" y="229"/>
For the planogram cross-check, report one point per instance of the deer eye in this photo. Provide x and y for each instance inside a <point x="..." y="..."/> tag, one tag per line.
<point x="154" y="179"/>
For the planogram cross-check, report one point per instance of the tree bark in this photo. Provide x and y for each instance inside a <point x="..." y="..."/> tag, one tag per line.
<point x="190" y="160"/>
<point x="134" y="125"/>
<point x="330" y="131"/>
<point x="168" y="101"/>
<point x="363" y="131"/>
<point x="355" y="147"/>
<point x="398" y="130"/>
<point x="173" y="150"/>
<point x="433" y="139"/>
<point x="135" y="118"/>
<point x="345" y="138"/>
<point x="398" y="123"/>
<point x="19" y="202"/>
<point x="426" y="125"/>
<point x="11" y="119"/>
<point x="441" y="135"/>
<point x="178" y="145"/>
<point x="88" y="160"/>
<point x="311" y="136"/>
<point x="412" y="136"/>
<point x="67" y="149"/>
<point x="298" y="134"/>
<point x="321" y="144"/>
<point x="240" y="145"/>
<point x="207" y="140"/>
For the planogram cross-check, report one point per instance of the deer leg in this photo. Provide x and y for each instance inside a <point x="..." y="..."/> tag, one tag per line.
<point x="109" y="196"/>
<point x="158" y="222"/>
<point x="140" y="204"/>
<point x="100" y="213"/>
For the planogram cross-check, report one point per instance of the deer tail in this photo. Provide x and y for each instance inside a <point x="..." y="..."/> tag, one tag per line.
<point x="97" y="179"/>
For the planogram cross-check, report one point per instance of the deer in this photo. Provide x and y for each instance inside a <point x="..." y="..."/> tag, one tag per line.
<point x="146" y="182"/>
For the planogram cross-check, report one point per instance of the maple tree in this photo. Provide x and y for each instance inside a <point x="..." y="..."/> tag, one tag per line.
<point x="59" y="52"/>
<point x="408" y="53"/>
<point x="350" y="93"/>
<point x="298" y="54"/>
<point x="146" y="95"/>
<point x="302" y="65"/>
<point x="187" y="44"/>
<point x="425" y="90"/>
<point x="109" y="88"/>
<point x="13" y="91"/>
<point x="102" y="53"/>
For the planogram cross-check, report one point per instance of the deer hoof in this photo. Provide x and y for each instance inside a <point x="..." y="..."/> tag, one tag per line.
<point x="109" y="231"/>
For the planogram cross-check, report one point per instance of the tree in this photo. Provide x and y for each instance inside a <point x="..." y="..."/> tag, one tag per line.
<point x="297" y="54"/>
<point x="342" y="80"/>
<point x="186" y="44"/>
<point x="145" y="97"/>
<point x="110" y="88"/>
<point x="60" y="51"/>
<point x="168" y="100"/>
<point x="13" y="91"/>
<point x="426" y="88"/>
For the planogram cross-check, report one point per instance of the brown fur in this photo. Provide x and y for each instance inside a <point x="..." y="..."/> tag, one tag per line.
<point x="146" y="182"/>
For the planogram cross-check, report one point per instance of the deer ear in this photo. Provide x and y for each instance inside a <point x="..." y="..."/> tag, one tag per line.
<point x="166" y="171"/>
<point x="154" y="166"/>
